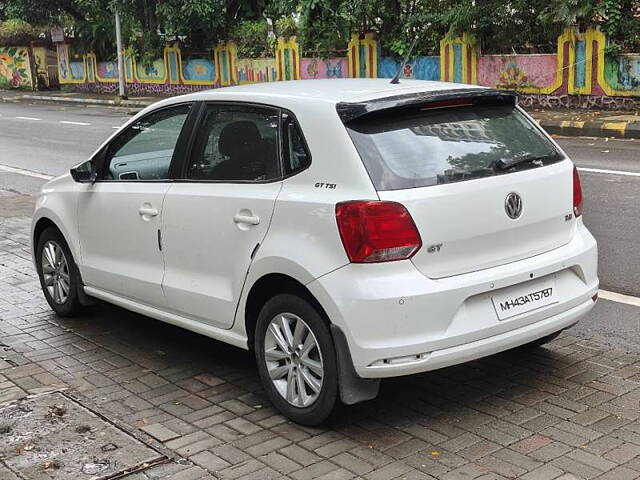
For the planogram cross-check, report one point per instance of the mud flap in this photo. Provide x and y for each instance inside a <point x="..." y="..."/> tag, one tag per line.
<point x="353" y="388"/>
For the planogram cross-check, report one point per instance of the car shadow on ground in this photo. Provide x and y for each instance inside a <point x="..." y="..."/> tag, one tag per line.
<point x="471" y="394"/>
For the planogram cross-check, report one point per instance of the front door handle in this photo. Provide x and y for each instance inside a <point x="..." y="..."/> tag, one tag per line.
<point x="247" y="219"/>
<point x="146" y="211"/>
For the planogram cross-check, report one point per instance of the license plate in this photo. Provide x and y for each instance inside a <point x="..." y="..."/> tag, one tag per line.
<point x="526" y="298"/>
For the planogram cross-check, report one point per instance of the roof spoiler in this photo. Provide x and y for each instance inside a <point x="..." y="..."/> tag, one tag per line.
<point x="349" y="111"/>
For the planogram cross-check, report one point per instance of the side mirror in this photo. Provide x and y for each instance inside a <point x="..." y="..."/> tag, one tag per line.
<point x="84" y="173"/>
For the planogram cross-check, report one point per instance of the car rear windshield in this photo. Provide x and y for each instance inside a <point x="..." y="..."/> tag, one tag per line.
<point x="423" y="147"/>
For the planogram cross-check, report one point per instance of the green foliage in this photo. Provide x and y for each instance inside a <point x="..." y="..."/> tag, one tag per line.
<point x="286" y="27"/>
<point x="324" y="27"/>
<point x="17" y="32"/>
<point x="252" y="39"/>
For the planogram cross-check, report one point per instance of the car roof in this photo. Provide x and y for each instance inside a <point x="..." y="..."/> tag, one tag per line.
<point x="325" y="90"/>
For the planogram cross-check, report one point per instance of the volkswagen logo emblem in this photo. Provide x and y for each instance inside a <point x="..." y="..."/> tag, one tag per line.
<point x="513" y="205"/>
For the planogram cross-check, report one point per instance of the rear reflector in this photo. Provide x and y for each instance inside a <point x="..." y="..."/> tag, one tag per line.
<point x="577" y="194"/>
<point x="374" y="231"/>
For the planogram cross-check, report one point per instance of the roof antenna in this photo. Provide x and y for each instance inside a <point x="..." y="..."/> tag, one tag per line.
<point x="396" y="79"/>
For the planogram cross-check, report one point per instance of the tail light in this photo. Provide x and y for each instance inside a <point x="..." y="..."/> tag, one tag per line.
<point x="374" y="231"/>
<point x="577" y="194"/>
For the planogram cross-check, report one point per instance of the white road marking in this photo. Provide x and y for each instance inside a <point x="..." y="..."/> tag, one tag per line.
<point x="115" y="127"/>
<point x="611" y="172"/>
<point x="22" y="171"/>
<point x="618" y="297"/>
<point x="28" y="118"/>
<point x="74" y="123"/>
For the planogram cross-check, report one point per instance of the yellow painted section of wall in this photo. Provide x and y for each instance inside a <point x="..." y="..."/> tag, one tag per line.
<point x="468" y="46"/>
<point x="232" y="55"/>
<point x="370" y="43"/>
<point x="153" y="80"/>
<point x="354" y="61"/>
<point x="290" y="48"/>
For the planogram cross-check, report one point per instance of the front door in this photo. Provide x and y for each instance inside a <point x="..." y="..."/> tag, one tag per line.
<point x="120" y="216"/>
<point x="216" y="217"/>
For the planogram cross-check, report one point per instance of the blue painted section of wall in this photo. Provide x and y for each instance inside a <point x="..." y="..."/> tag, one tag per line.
<point x="457" y="63"/>
<point x="421" y="68"/>
<point x="362" y="51"/>
<point x="173" y="67"/>
<point x="580" y="77"/>
<point x="199" y="69"/>
<point x="77" y="70"/>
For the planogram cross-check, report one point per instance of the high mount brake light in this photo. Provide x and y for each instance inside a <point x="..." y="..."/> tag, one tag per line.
<point x="577" y="194"/>
<point x="375" y="231"/>
<point x="455" y="102"/>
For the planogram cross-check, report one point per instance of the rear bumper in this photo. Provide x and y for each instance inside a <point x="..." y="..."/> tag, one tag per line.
<point x="398" y="322"/>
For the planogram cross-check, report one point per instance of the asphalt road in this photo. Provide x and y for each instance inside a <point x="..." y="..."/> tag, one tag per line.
<point x="51" y="138"/>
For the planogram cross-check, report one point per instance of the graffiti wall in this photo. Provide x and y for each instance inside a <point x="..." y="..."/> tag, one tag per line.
<point x="15" y="68"/>
<point x="421" y="68"/>
<point x="517" y="71"/>
<point x="314" y="68"/>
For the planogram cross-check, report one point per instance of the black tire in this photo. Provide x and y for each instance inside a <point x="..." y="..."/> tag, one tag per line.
<point x="541" y="341"/>
<point x="71" y="305"/>
<point x="324" y="404"/>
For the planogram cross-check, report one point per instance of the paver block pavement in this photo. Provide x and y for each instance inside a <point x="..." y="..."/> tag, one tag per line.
<point x="568" y="410"/>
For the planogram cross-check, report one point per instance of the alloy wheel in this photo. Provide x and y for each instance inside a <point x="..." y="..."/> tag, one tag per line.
<point x="293" y="359"/>
<point x="55" y="271"/>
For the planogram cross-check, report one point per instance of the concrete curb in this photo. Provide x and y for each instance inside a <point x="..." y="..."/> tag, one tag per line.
<point x="88" y="101"/>
<point x="573" y="128"/>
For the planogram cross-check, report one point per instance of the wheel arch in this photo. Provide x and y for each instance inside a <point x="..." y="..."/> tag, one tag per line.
<point x="40" y="226"/>
<point x="266" y="287"/>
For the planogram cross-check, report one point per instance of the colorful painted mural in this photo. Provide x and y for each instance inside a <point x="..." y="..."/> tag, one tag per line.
<point x="256" y="70"/>
<point x="198" y="70"/>
<point x="580" y="67"/>
<point x="421" y="68"/>
<point x="622" y="72"/>
<point x="107" y="71"/>
<point x="315" y="68"/>
<point x="15" y="68"/>
<point x="517" y="71"/>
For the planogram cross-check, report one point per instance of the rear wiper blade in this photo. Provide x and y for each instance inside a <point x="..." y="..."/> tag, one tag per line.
<point x="504" y="164"/>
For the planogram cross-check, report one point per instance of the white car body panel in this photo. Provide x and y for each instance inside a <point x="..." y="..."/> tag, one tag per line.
<point x="206" y="254"/>
<point x="119" y="245"/>
<point x="399" y="317"/>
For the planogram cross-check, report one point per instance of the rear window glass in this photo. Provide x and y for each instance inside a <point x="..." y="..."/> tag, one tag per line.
<point x="422" y="148"/>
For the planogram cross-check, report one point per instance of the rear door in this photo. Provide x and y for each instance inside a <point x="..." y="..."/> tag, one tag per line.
<point x="444" y="165"/>
<point x="119" y="216"/>
<point x="217" y="215"/>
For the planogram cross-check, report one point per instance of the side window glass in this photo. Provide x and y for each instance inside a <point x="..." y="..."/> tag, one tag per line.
<point x="144" y="150"/>
<point x="236" y="143"/>
<point x="295" y="154"/>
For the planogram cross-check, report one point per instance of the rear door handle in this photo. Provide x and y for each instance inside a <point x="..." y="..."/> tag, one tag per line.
<point x="148" y="211"/>
<point x="248" y="219"/>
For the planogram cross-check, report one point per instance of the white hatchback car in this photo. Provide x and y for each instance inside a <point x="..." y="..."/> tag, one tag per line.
<point x="344" y="230"/>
